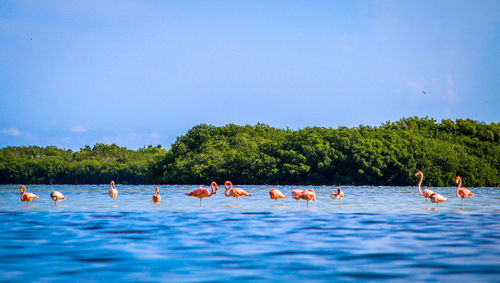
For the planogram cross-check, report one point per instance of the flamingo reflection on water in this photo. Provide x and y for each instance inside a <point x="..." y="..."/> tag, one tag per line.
<point x="276" y="195"/>
<point x="27" y="197"/>
<point x="462" y="192"/>
<point x="156" y="196"/>
<point x="234" y="192"/>
<point x="203" y="192"/>
<point x="113" y="192"/>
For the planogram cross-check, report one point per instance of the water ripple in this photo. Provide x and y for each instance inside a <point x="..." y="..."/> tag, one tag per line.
<point x="88" y="240"/>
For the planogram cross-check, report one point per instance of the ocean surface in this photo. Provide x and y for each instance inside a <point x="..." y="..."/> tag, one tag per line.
<point x="373" y="234"/>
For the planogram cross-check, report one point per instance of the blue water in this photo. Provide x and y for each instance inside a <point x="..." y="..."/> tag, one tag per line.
<point x="374" y="233"/>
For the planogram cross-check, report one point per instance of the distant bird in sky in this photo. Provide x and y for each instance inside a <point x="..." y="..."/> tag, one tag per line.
<point x="57" y="196"/>
<point x="113" y="192"/>
<point x="27" y="197"/>
<point x="423" y="91"/>
<point x="276" y="195"/>
<point x="156" y="196"/>
<point x="203" y="192"/>
<point x="234" y="192"/>
<point x="462" y="192"/>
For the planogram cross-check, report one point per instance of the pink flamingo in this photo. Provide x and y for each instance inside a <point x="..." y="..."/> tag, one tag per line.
<point x="338" y="195"/>
<point x="276" y="195"/>
<point x="308" y="196"/>
<point x="297" y="194"/>
<point x="203" y="192"/>
<point x="234" y="192"/>
<point x="27" y="197"/>
<point x="437" y="198"/>
<point x="462" y="192"/>
<point x="57" y="196"/>
<point x="426" y="193"/>
<point x="156" y="196"/>
<point x="113" y="192"/>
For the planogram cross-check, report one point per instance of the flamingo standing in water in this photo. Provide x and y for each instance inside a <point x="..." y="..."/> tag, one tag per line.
<point x="113" y="192"/>
<point x="462" y="192"/>
<point x="276" y="195"/>
<point x="156" y="196"/>
<point x="57" y="196"/>
<point x="429" y="194"/>
<point x="203" y="192"/>
<point x="437" y="198"/>
<point x="234" y="192"/>
<point x="308" y="195"/>
<point x="338" y="195"/>
<point x="426" y="193"/>
<point x="27" y="197"/>
<point x="297" y="194"/>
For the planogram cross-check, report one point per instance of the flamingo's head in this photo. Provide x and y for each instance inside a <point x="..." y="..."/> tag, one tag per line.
<point x="228" y="184"/>
<point x="457" y="179"/>
<point x="339" y="190"/>
<point x="157" y="190"/>
<point x="23" y="188"/>
<point x="418" y="173"/>
<point x="112" y="183"/>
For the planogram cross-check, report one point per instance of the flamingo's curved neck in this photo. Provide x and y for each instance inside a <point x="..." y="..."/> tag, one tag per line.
<point x="227" y="189"/>
<point x="458" y="187"/>
<point x="23" y="190"/>
<point x="420" y="183"/>
<point x="212" y="188"/>
<point x="157" y="191"/>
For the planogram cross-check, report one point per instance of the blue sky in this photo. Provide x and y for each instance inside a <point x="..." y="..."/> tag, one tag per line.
<point x="135" y="73"/>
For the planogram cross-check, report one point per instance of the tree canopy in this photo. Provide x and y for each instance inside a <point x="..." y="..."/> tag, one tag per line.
<point x="386" y="155"/>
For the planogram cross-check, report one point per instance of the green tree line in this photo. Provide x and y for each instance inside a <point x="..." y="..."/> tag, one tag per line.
<point x="97" y="165"/>
<point x="386" y="155"/>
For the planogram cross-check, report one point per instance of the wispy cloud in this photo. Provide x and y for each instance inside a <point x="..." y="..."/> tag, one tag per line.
<point x="78" y="129"/>
<point x="449" y="92"/>
<point x="11" y="132"/>
<point x="155" y="135"/>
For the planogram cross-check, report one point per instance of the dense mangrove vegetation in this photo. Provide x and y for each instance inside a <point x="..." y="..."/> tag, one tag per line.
<point x="96" y="165"/>
<point x="386" y="155"/>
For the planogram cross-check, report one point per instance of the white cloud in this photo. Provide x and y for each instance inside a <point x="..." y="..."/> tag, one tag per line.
<point x="79" y="129"/>
<point x="449" y="93"/>
<point x="155" y="135"/>
<point x="11" y="132"/>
